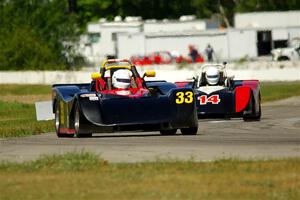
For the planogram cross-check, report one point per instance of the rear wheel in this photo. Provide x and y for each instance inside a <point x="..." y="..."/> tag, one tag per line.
<point x="58" y="123"/>
<point x="77" y="123"/>
<point x="256" y="116"/>
<point x="168" y="132"/>
<point x="252" y="118"/>
<point x="189" y="131"/>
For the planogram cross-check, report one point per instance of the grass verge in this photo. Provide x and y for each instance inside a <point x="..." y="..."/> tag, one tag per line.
<point x="17" y="110"/>
<point x="18" y="119"/>
<point x="85" y="176"/>
<point x="272" y="91"/>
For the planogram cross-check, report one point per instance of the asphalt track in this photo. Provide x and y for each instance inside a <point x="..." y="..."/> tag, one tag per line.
<point x="277" y="135"/>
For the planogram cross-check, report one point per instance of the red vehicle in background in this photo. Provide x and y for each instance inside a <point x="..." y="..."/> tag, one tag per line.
<point x="140" y="60"/>
<point x="162" y="57"/>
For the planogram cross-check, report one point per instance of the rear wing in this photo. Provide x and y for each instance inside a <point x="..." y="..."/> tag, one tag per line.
<point x="79" y="85"/>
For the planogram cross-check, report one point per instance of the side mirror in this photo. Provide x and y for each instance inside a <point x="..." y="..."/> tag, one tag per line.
<point x="96" y="75"/>
<point x="149" y="74"/>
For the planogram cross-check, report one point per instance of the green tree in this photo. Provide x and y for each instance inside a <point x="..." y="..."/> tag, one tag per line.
<point x="32" y="33"/>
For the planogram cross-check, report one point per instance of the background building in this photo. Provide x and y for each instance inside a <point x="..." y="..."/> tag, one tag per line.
<point x="254" y="34"/>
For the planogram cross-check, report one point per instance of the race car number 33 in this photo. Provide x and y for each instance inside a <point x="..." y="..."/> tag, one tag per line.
<point x="184" y="97"/>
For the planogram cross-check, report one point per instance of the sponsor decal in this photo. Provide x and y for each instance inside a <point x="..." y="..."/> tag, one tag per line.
<point x="184" y="97"/>
<point x="213" y="99"/>
<point x="93" y="98"/>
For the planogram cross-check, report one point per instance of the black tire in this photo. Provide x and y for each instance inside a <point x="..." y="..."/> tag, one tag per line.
<point x="256" y="116"/>
<point x="57" y="123"/>
<point x="189" y="131"/>
<point x="168" y="132"/>
<point x="77" y="121"/>
<point x="253" y="118"/>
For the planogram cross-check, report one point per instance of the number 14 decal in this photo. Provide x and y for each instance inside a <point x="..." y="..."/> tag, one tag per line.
<point x="214" y="99"/>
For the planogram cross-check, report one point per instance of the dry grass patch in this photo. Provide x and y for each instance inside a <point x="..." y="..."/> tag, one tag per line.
<point x="20" y="89"/>
<point x="29" y="99"/>
<point x="24" y="93"/>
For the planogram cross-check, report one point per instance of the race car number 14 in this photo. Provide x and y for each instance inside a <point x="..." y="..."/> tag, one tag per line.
<point x="184" y="97"/>
<point x="214" y="99"/>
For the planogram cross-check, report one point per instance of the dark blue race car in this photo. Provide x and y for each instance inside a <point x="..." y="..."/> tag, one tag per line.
<point x="98" y="107"/>
<point x="225" y="98"/>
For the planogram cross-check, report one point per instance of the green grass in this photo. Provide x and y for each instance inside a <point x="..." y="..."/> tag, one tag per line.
<point x="271" y="91"/>
<point x="68" y="162"/>
<point x="18" y="119"/>
<point x="86" y="176"/>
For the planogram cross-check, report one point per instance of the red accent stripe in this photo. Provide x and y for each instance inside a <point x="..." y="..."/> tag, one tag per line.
<point x="100" y="82"/>
<point x="139" y="82"/>
<point x="242" y="97"/>
<point x="182" y="84"/>
<point x="67" y="130"/>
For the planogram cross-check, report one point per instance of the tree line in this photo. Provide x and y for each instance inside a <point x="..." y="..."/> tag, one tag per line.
<point x="90" y="10"/>
<point x="36" y="34"/>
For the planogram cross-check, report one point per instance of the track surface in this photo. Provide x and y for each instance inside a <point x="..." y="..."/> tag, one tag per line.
<point x="277" y="135"/>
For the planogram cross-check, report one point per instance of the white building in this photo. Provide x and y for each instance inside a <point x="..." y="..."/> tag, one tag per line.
<point x="125" y="38"/>
<point x="228" y="44"/>
<point x="154" y="26"/>
<point x="273" y="29"/>
<point x="101" y="37"/>
<point x="267" y="20"/>
<point x="255" y="34"/>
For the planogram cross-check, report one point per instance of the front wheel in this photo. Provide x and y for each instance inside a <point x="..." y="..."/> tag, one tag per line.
<point x="57" y="121"/>
<point x="77" y="123"/>
<point x="189" y="131"/>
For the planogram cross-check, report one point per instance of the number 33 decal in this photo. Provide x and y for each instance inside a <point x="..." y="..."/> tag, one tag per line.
<point x="184" y="97"/>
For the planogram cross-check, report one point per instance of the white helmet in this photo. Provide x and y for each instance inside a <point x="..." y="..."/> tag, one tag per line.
<point x="121" y="79"/>
<point x="212" y="75"/>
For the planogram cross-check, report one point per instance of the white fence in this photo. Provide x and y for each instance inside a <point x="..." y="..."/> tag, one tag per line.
<point x="260" y="71"/>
